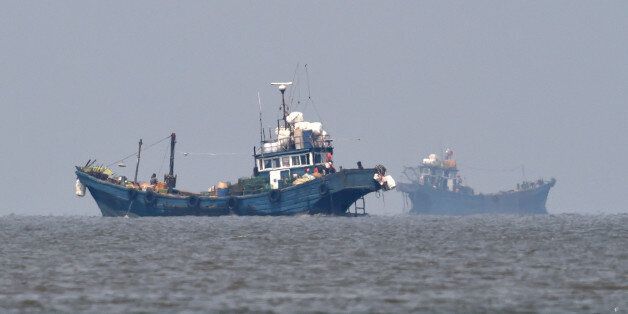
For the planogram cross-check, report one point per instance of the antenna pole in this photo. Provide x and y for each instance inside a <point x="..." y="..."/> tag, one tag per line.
<point x="261" y="128"/>
<point x="282" y="88"/>
<point x="137" y="165"/>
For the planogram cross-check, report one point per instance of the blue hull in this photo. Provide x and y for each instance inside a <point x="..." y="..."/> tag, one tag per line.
<point x="427" y="200"/>
<point x="332" y="194"/>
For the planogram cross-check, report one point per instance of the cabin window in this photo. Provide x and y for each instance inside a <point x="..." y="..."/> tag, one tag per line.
<point x="276" y="163"/>
<point x="296" y="161"/>
<point x="268" y="163"/>
<point x="305" y="159"/>
<point x="285" y="161"/>
<point x="317" y="158"/>
<point x="260" y="164"/>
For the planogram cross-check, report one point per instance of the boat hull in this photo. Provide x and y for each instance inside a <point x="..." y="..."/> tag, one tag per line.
<point x="427" y="200"/>
<point x="332" y="194"/>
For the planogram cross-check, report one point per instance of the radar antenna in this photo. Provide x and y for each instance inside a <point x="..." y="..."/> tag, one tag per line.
<point x="282" y="88"/>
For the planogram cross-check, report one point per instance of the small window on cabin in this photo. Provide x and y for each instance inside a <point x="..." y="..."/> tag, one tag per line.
<point x="285" y="161"/>
<point x="305" y="159"/>
<point x="276" y="163"/>
<point x="296" y="161"/>
<point x="317" y="158"/>
<point x="268" y="163"/>
<point x="260" y="164"/>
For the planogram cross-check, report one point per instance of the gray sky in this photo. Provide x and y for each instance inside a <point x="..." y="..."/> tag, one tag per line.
<point x="504" y="83"/>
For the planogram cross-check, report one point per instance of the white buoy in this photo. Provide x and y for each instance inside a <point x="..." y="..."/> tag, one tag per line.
<point x="79" y="188"/>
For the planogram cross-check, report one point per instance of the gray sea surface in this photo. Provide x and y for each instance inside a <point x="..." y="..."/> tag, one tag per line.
<point x="485" y="263"/>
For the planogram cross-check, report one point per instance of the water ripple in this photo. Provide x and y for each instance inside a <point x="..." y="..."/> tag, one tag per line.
<point x="549" y="263"/>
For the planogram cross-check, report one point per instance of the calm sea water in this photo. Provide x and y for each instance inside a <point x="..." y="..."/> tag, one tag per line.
<point x="563" y="263"/>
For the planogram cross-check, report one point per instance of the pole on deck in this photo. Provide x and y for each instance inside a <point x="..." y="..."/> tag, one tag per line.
<point x="170" y="178"/>
<point x="282" y="89"/>
<point x="137" y="165"/>
<point x="173" y="140"/>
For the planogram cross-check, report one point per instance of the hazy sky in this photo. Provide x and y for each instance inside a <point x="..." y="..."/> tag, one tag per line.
<point x="504" y="83"/>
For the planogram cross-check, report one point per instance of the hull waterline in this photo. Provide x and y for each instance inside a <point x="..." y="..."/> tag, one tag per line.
<point x="427" y="200"/>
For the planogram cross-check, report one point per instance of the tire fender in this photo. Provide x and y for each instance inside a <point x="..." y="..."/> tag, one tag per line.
<point x="193" y="201"/>
<point x="150" y="198"/>
<point x="323" y="189"/>
<point x="233" y="204"/>
<point x="132" y="194"/>
<point x="274" y="196"/>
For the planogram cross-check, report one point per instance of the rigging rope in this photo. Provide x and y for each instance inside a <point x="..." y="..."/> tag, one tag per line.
<point x="309" y="95"/>
<point x="211" y="154"/>
<point x="291" y="95"/>
<point x="163" y="159"/>
<point x="349" y="139"/>
<point x="467" y="167"/>
<point x="135" y="154"/>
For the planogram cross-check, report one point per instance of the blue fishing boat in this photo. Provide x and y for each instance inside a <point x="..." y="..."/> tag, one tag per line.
<point x="293" y="174"/>
<point x="436" y="188"/>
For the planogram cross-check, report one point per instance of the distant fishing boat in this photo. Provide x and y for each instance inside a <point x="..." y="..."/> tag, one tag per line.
<point x="293" y="174"/>
<point x="436" y="188"/>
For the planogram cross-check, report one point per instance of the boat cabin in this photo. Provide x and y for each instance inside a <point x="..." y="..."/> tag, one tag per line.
<point x="297" y="146"/>
<point x="442" y="175"/>
<point x="281" y="165"/>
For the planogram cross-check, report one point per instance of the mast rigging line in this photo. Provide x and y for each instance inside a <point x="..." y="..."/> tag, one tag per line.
<point x="350" y="139"/>
<point x="186" y="154"/>
<point x="163" y="159"/>
<point x="135" y="153"/>
<point x="309" y="95"/>
<point x="513" y="169"/>
<point x="295" y="79"/>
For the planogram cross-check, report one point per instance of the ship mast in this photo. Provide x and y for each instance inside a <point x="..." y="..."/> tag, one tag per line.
<point x="137" y="165"/>
<point x="170" y="178"/>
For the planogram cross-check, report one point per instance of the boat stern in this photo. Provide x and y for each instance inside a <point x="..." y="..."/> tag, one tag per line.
<point x="344" y="188"/>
